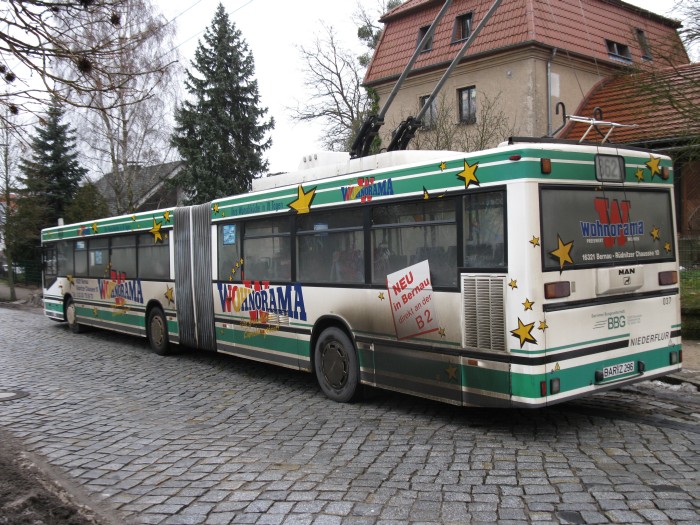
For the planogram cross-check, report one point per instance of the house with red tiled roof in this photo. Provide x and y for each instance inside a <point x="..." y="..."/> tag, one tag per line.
<point x="529" y="57"/>
<point x="664" y="108"/>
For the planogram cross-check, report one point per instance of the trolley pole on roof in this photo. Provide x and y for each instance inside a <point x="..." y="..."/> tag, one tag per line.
<point x="370" y="127"/>
<point x="405" y="131"/>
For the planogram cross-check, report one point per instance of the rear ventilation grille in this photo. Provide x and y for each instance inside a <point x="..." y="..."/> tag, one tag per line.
<point x="484" y="315"/>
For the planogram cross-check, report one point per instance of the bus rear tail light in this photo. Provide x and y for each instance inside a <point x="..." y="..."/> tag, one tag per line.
<point x="558" y="289"/>
<point x="543" y="388"/>
<point x="546" y="166"/>
<point x="667" y="278"/>
<point x="514" y="157"/>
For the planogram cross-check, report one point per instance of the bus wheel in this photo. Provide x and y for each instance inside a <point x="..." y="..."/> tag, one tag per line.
<point x="336" y="365"/>
<point x="157" y="331"/>
<point x="72" y="317"/>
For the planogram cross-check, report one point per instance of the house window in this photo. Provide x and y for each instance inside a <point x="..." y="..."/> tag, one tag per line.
<point x="421" y="33"/>
<point x="644" y="45"/>
<point x="618" y="51"/>
<point x="430" y="116"/>
<point x="463" y="27"/>
<point x="467" y="105"/>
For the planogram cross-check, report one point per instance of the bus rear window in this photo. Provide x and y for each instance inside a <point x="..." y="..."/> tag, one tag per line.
<point x="586" y="227"/>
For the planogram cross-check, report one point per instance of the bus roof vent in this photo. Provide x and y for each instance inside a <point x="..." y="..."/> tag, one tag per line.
<point x="484" y="312"/>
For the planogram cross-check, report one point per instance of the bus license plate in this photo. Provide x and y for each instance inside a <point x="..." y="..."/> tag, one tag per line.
<point x="618" y="370"/>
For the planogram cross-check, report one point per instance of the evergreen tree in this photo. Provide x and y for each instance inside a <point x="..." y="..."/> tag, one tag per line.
<point x="218" y="133"/>
<point x="51" y="180"/>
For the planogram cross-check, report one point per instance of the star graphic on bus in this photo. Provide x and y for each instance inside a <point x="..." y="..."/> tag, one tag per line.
<point x="563" y="252"/>
<point x="302" y="204"/>
<point x="169" y="294"/>
<point x="655" y="232"/>
<point x="528" y="304"/>
<point x="70" y="279"/>
<point x="381" y="296"/>
<point x="94" y="227"/>
<point x="157" y="235"/>
<point x="513" y="284"/>
<point x="133" y="218"/>
<point x="216" y="207"/>
<point x="166" y="216"/>
<point x="667" y="247"/>
<point x="427" y="195"/>
<point x="441" y="332"/>
<point x="543" y="326"/>
<point x="469" y="174"/>
<point x="524" y="333"/>
<point x="442" y="166"/>
<point x="653" y="165"/>
<point x="639" y="174"/>
<point x="451" y="372"/>
<point x="535" y="241"/>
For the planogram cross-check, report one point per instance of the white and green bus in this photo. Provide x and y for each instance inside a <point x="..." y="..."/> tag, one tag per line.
<point x="519" y="276"/>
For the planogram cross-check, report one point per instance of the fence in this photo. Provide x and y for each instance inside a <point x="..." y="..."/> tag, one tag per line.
<point x="27" y="273"/>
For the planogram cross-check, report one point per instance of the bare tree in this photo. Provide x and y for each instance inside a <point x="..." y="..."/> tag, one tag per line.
<point x="43" y="50"/>
<point x="130" y="125"/>
<point x="442" y="132"/>
<point x="333" y="78"/>
<point x="8" y="142"/>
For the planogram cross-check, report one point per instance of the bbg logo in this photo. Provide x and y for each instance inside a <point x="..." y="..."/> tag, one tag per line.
<point x="616" y="322"/>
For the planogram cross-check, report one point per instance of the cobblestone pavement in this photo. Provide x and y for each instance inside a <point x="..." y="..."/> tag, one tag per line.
<point x="201" y="438"/>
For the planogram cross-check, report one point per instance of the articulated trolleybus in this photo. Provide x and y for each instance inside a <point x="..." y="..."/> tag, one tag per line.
<point x="519" y="276"/>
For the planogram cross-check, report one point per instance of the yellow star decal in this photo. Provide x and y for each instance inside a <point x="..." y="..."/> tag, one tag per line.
<point x="667" y="247"/>
<point x="133" y="217"/>
<point x="94" y="312"/>
<point x="513" y="284"/>
<point x="655" y="233"/>
<point x="70" y="279"/>
<point x="535" y="241"/>
<point x="216" y="208"/>
<point x="451" y="372"/>
<point x="94" y="227"/>
<point x="166" y="216"/>
<point x="426" y="195"/>
<point x="543" y="326"/>
<point x="157" y="235"/>
<point x="441" y="332"/>
<point x="302" y="204"/>
<point x="469" y="174"/>
<point x="563" y="252"/>
<point x="381" y="296"/>
<point x="528" y="304"/>
<point x="524" y="333"/>
<point x="639" y="174"/>
<point x="653" y="165"/>
<point x="169" y="294"/>
<point x="442" y="166"/>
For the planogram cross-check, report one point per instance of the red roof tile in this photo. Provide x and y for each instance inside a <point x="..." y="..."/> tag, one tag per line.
<point x="640" y="99"/>
<point x="577" y="26"/>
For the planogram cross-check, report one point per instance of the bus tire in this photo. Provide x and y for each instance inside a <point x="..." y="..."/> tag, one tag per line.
<point x="336" y="365"/>
<point x="157" y="331"/>
<point x="72" y="317"/>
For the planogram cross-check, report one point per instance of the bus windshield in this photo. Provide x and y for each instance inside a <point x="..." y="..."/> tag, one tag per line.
<point x="603" y="227"/>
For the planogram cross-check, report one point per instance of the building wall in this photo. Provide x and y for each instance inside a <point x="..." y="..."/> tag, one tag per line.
<point x="519" y="76"/>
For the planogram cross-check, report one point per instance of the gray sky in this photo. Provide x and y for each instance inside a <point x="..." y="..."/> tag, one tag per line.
<point x="273" y="30"/>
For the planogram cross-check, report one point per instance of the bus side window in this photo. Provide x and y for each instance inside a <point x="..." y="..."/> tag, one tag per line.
<point x="229" y="252"/>
<point x="484" y="230"/>
<point x="153" y="257"/>
<point x="81" y="259"/>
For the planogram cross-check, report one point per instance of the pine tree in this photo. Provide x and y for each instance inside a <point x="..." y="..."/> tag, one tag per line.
<point x="51" y="180"/>
<point x="218" y="133"/>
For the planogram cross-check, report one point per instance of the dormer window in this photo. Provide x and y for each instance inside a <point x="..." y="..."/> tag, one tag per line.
<point x="619" y="52"/>
<point x="463" y="27"/>
<point x="644" y="45"/>
<point x="421" y="33"/>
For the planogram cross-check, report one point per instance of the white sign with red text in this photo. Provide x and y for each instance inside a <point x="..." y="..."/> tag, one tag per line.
<point x="411" y="294"/>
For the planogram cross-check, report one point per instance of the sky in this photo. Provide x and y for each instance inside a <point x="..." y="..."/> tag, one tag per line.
<point x="274" y="30"/>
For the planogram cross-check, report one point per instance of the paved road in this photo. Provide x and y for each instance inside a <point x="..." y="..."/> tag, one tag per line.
<point x="200" y="438"/>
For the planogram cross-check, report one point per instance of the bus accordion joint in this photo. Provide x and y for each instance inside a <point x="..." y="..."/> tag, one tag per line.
<point x="668" y="278"/>
<point x="557" y="290"/>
